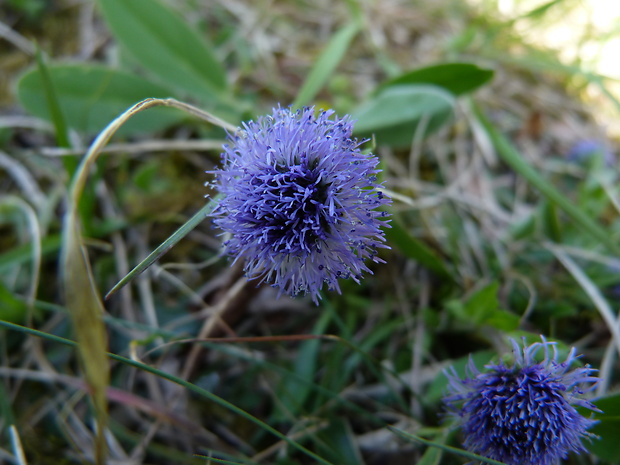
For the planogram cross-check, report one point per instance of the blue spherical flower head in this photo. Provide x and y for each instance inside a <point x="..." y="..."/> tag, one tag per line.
<point x="523" y="414"/>
<point x="300" y="200"/>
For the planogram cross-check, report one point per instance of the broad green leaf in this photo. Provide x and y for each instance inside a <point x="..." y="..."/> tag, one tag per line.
<point x="402" y="135"/>
<point x="401" y="104"/>
<point x="393" y="115"/>
<point x="482" y="303"/>
<point x="161" y="41"/>
<point x="91" y="96"/>
<point x="482" y="308"/>
<point x="503" y="320"/>
<point x="607" y="446"/>
<point x="457" y="78"/>
<point x="326" y="64"/>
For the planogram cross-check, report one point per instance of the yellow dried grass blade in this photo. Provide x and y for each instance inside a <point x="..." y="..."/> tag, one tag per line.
<point x="86" y="312"/>
<point x="82" y="299"/>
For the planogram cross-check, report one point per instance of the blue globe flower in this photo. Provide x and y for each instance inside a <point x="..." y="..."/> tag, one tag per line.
<point x="523" y="414"/>
<point x="299" y="201"/>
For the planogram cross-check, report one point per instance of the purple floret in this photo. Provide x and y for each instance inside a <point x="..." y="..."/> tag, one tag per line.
<point x="300" y="201"/>
<point x="523" y="414"/>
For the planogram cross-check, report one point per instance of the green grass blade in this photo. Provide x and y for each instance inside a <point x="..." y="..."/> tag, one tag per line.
<point x="326" y="63"/>
<point x="510" y="155"/>
<point x="6" y="410"/>
<point x="208" y="459"/>
<point x="156" y="254"/>
<point x="453" y="450"/>
<point x="181" y="382"/>
<point x="220" y="344"/>
<point x="600" y="82"/>
<point x="592" y="290"/>
<point x="16" y="443"/>
<point x="58" y="119"/>
<point x="541" y="10"/>
<point x="55" y="111"/>
<point x="415" y="249"/>
<point x="22" y="253"/>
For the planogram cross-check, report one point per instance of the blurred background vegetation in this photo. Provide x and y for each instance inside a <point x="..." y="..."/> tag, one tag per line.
<point x="497" y="127"/>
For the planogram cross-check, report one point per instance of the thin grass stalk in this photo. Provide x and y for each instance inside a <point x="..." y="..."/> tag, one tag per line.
<point x="181" y="382"/>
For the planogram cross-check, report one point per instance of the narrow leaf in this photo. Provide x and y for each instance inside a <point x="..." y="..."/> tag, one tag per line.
<point x="293" y="392"/>
<point x="161" y="41"/>
<point x="208" y="460"/>
<point x="53" y="106"/>
<point x="156" y="254"/>
<point x="326" y="64"/>
<point x="540" y="11"/>
<point x="415" y="249"/>
<point x="593" y="292"/>
<point x="338" y="442"/>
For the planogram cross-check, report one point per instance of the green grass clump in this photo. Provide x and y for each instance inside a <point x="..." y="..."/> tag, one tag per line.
<point x="504" y="224"/>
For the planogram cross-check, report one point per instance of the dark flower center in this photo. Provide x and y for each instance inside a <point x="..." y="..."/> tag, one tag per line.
<point x="292" y="213"/>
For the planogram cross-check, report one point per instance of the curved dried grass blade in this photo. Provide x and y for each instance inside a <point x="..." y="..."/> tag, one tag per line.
<point x="83" y="301"/>
<point x="86" y="311"/>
